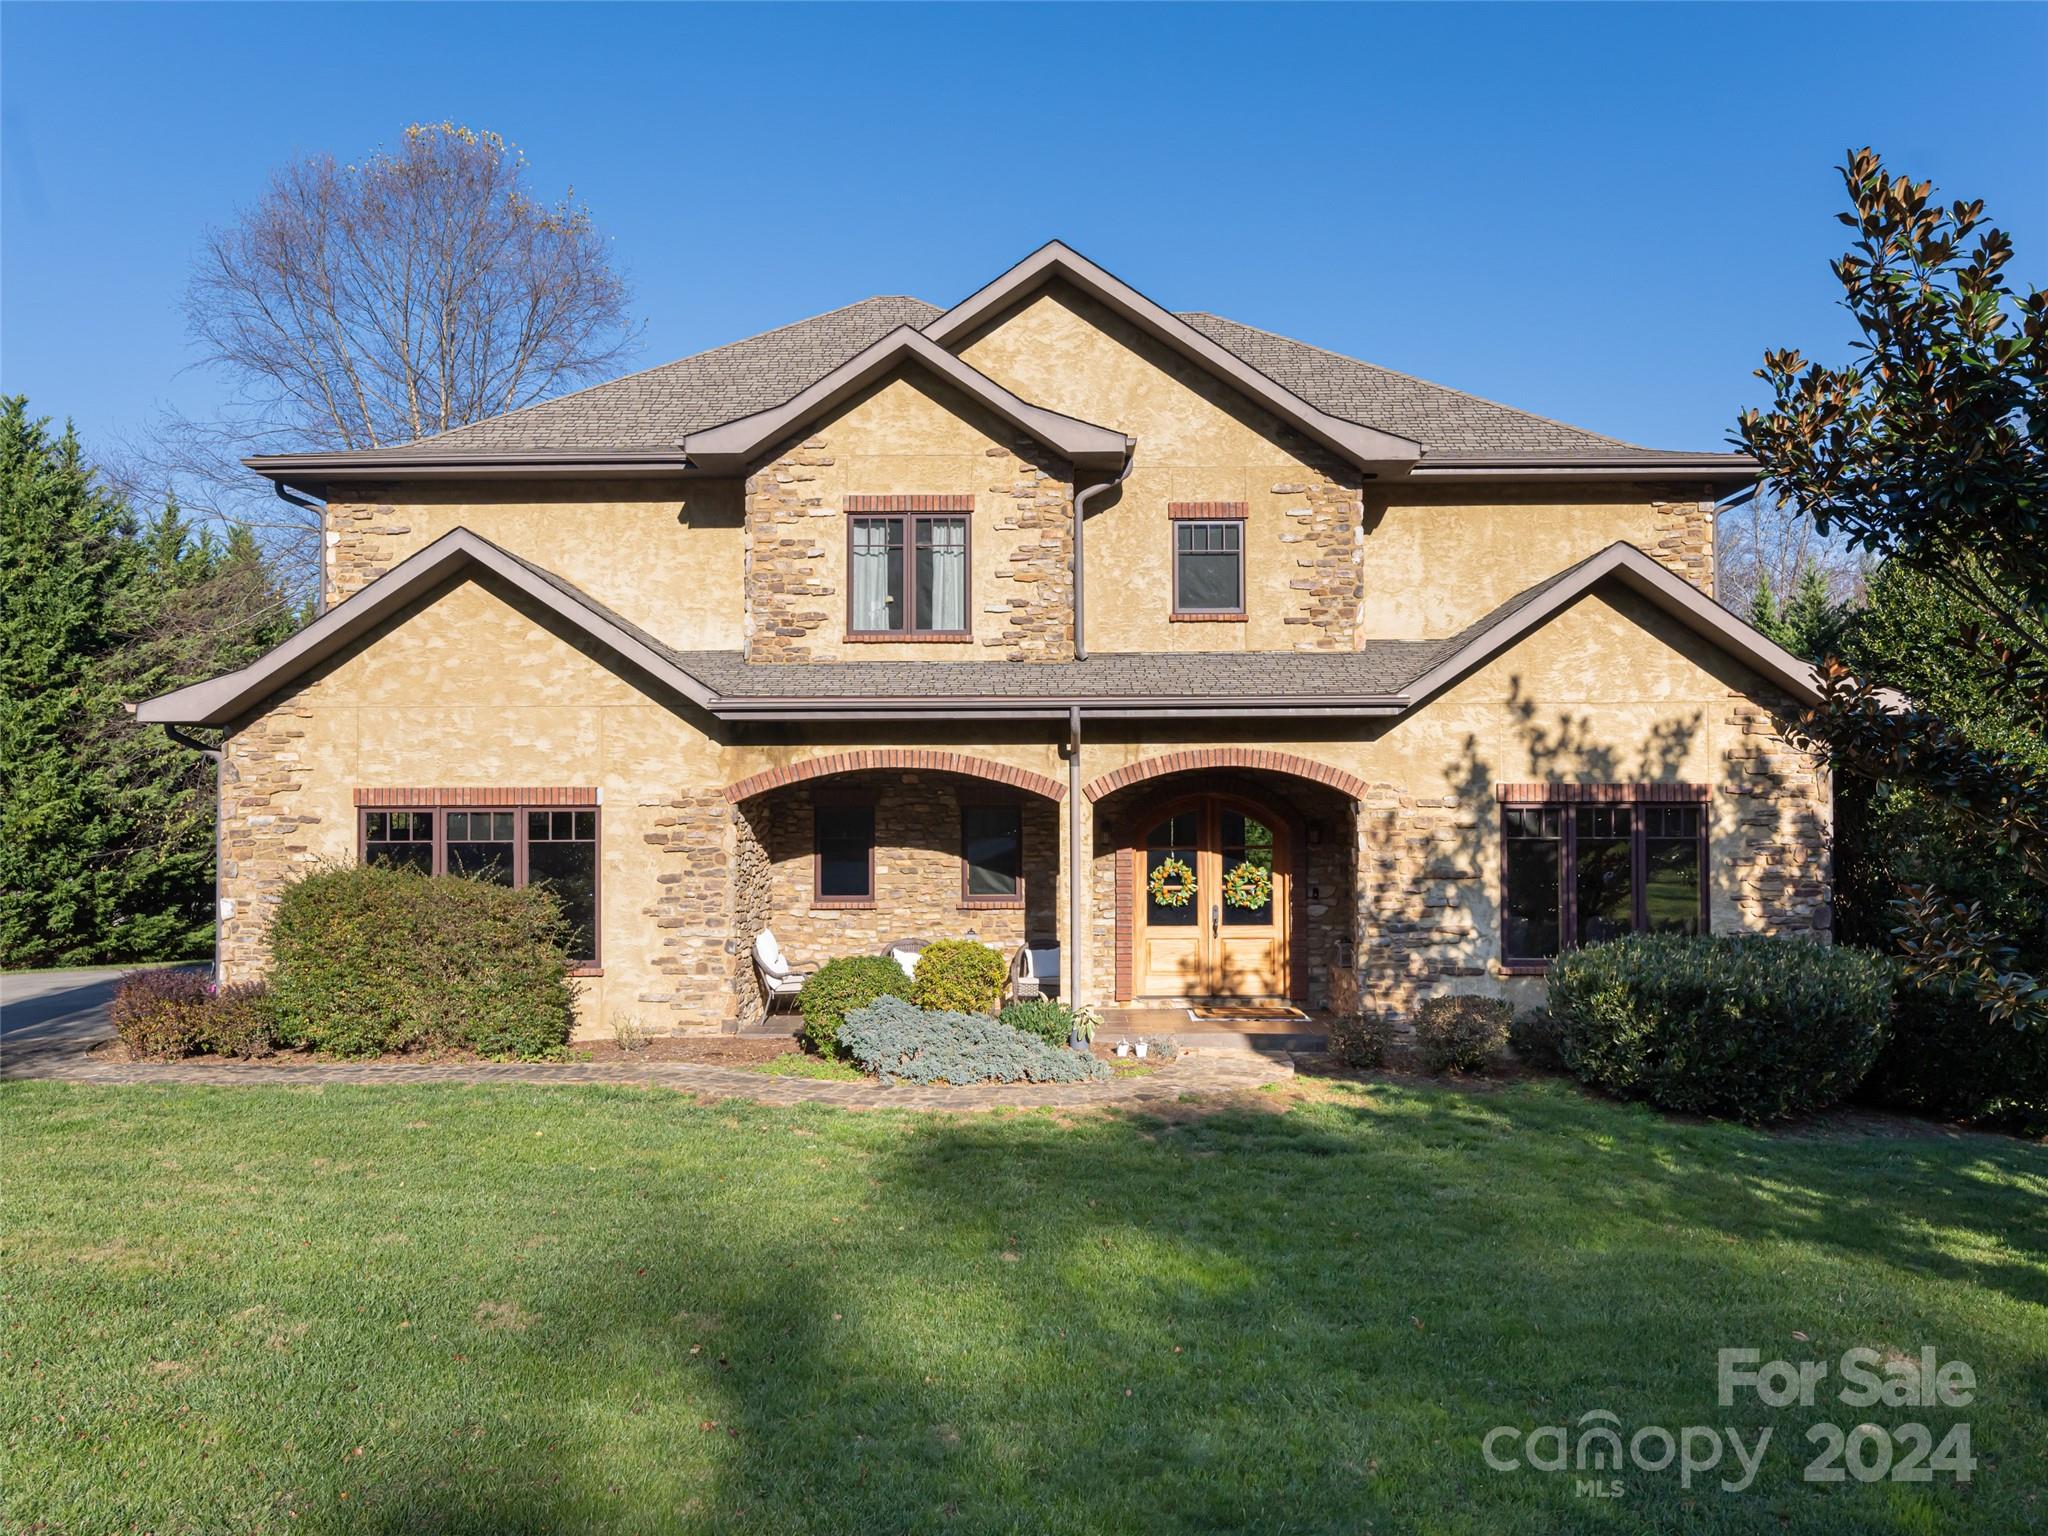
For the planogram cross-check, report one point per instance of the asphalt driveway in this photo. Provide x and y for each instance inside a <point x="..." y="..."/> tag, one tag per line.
<point x="44" y="1013"/>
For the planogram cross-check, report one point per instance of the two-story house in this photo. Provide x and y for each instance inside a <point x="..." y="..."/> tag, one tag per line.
<point x="1235" y="668"/>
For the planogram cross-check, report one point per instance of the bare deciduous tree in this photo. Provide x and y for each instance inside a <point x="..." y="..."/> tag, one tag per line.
<point x="367" y="304"/>
<point x="1768" y="544"/>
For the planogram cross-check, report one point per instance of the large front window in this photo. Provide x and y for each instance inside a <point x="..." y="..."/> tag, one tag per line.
<point x="909" y="575"/>
<point x="1587" y="863"/>
<point x="514" y="845"/>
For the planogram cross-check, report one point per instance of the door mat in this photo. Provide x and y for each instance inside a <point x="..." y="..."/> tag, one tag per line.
<point x="1245" y="1013"/>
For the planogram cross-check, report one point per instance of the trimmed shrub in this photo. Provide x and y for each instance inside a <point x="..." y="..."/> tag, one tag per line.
<point x="1461" y="1034"/>
<point x="960" y="975"/>
<point x="1363" y="1041"/>
<point x="237" y="1020"/>
<point x="161" y="1014"/>
<point x="899" y="1042"/>
<point x="1052" y="1022"/>
<point x="852" y="981"/>
<point x="1537" y="1041"/>
<point x="1749" y="1028"/>
<point x="168" y="1014"/>
<point x="1945" y="1057"/>
<point x="375" y="959"/>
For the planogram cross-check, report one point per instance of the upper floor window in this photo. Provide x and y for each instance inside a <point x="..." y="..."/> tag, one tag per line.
<point x="1584" y="863"/>
<point x="1208" y="559"/>
<point x="908" y="575"/>
<point x="513" y="845"/>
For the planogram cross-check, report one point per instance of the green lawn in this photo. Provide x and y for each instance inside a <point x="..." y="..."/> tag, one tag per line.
<point x="398" y="1309"/>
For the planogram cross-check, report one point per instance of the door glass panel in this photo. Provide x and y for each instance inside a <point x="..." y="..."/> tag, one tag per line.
<point x="1671" y="885"/>
<point x="1605" y="885"/>
<point x="1176" y="838"/>
<point x="1246" y="841"/>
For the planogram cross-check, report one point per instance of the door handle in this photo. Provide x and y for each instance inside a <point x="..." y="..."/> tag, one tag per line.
<point x="1215" y="918"/>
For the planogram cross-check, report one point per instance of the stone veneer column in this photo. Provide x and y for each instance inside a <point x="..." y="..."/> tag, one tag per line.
<point x="709" y="901"/>
<point x="1685" y="540"/>
<point x="1023" y="522"/>
<point x="1328" y="535"/>
<point x="1418" y="881"/>
<point x="358" y="545"/>
<point x="1781" y="796"/>
<point x="263" y="842"/>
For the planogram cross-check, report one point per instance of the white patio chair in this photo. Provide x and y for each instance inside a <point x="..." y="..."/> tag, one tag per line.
<point x="777" y="979"/>
<point x="1035" y="972"/>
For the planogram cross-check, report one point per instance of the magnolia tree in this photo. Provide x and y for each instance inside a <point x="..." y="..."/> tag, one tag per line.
<point x="1926" y="450"/>
<point x="366" y="304"/>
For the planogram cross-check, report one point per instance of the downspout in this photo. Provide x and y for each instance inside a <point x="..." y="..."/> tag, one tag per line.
<point x="284" y="493"/>
<point x="219" y="788"/>
<point x="1080" y="514"/>
<point x="1077" y="864"/>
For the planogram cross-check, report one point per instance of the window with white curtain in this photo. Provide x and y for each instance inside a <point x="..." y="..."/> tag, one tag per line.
<point x="909" y="575"/>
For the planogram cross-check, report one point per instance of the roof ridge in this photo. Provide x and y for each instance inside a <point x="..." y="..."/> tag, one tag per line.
<point x="1413" y="378"/>
<point x="675" y="362"/>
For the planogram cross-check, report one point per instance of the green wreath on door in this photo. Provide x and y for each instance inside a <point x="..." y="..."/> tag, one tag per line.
<point x="1248" y="887"/>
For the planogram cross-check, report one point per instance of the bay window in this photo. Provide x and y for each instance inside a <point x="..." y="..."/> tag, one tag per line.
<point x="1582" y="863"/>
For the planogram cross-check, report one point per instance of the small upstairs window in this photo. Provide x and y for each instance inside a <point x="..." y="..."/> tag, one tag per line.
<point x="1208" y="559"/>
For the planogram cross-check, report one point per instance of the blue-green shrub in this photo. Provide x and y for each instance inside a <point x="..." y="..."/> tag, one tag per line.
<point x="1750" y="1028"/>
<point x="900" y="1042"/>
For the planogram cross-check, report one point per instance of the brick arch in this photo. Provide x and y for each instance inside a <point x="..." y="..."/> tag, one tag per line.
<point x="918" y="758"/>
<point x="1201" y="759"/>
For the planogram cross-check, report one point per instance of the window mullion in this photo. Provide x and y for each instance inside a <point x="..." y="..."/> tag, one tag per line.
<point x="1639" y="867"/>
<point x="1568" y="879"/>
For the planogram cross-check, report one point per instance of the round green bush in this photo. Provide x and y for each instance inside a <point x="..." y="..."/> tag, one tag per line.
<point x="1945" y="1056"/>
<point x="1362" y="1041"/>
<point x="374" y="959"/>
<point x="960" y="976"/>
<point x="851" y="981"/>
<point x="1534" y="1036"/>
<point x="1747" y="1028"/>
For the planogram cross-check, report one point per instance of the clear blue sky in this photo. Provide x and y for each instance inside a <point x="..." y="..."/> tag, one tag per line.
<point x="1602" y="214"/>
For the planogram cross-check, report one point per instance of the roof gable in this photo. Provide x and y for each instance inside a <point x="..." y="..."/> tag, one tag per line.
<point x="1383" y="452"/>
<point x="735" y="444"/>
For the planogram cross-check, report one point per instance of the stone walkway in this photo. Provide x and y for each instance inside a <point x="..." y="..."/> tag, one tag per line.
<point x="1194" y="1072"/>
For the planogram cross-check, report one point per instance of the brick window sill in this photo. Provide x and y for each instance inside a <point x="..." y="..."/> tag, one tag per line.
<point x="842" y="904"/>
<point x="1523" y="967"/>
<point x="992" y="904"/>
<point x="1207" y="618"/>
<point x="586" y="970"/>
<point x="863" y="639"/>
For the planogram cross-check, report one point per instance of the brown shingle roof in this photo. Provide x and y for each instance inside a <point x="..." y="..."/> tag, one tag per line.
<point x="651" y="410"/>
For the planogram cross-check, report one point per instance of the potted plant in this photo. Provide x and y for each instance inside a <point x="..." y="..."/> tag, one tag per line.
<point x="1081" y="1033"/>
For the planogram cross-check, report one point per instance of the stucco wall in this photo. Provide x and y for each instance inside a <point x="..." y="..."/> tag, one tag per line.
<point x="665" y="554"/>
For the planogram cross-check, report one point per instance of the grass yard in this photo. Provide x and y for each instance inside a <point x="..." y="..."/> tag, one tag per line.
<point x="492" y="1310"/>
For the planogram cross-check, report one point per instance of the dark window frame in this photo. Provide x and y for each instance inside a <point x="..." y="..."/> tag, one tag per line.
<point x="910" y="520"/>
<point x="1568" y="799"/>
<point x="841" y="800"/>
<point x="594" y="966"/>
<point x="969" y="902"/>
<point x="1186" y="614"/>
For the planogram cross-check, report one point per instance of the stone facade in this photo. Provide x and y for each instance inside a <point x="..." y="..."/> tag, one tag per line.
<point x="1021" y="540"/>
<point x="1326" y="533"/>
<point x="365" y="538"/>
<point x="1418" y="885"/>
<point x="1780" y="794"/>
<point x="917" y="891"/>
<point x="1684" y="543"/>
<point x="707" y="889"/>
<point x="267" y="838"/>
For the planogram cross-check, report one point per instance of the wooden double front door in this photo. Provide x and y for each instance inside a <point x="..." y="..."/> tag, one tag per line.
<point x="1210" y="916"/>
